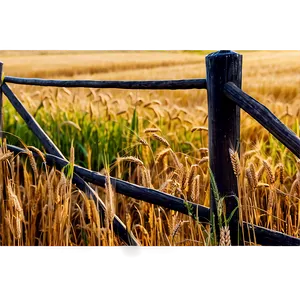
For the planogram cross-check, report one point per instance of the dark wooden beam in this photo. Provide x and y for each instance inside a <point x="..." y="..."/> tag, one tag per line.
<point x="140" y="85"/>
<point x="223" y="131"/>
<point x="264" y="116"/>
<point x="268" y="237"/>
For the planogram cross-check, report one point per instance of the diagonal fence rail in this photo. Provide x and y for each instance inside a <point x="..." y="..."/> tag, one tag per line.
<point x="264" y="116"/>
<point x="224" y="69"/>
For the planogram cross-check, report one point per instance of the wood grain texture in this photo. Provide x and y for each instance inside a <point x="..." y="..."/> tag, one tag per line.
<point x="140" y="85"/>
<point x="264" y="116"/>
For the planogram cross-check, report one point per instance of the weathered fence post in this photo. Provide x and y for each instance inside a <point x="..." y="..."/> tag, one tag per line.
<point x="1" y="103"/>
<point x="224" y="131"/>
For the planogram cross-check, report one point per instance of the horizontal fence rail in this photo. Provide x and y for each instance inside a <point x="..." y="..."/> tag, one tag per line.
<point x="183" y="84"/>
<point x="264" y="116"/>
<point x="264" y="236"/>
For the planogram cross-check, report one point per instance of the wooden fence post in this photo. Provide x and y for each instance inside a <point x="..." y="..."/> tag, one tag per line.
<point x="224" y="131"/>
<point x="1" y="103"/>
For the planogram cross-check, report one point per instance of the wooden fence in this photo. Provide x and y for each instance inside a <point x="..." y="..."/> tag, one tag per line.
<point x="225" y="98"/>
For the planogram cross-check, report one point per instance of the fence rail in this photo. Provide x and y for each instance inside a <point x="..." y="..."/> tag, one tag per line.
<point x="185" y="84"/>
<point x="225" y="98"/>
<point x="263" y="115"/>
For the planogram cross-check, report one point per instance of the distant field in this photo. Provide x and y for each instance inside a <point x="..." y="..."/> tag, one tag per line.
<point x="272" y="74"/>
<point x="57" y="64"/>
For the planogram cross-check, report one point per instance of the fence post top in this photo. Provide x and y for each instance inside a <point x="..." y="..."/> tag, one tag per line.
<point x="225" y="50"/>
<point x="222" y="52"/>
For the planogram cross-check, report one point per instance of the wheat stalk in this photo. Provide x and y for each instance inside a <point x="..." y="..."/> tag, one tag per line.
<point x="95" y="214"/>
<point x="191" y="175"/>
<point x="199" y="128"/>
<point x="6" y="156"/>
<point x="203" y="160"/>
<point x="121" y="112"/>
<point x="225" y="236"/>
<point x="164" y="186"/>
<point x="279" y="172"/>
<point x="268" y="169"/>
<point x="39" y="152"/>
<point x="260" y="172"/>
<point x="87" y="203"/>
<point x="270" y="201"/>
<point x="203" y="151"/>
<point x="146" y="177"/>
<point x="109" y="198"/>
<point x="249" y="153"/>
<point x="142" y="141"/>
<point x="253" y="176"/>
<point x="128" y="221"/>
<point x="72" y="124"/>
<point x="295" y="188"/>
<point x="62" y="182"/>
<point x="152" y="130"/>
<point x="235" y="161"/>
<point x="175" y="228"/>
<point x="132" y="159"/>
<point x="195" y="189"/>
<point x="18" y="227"/>
<point x="161" y="155"/>
<point x="250" y="179"/>
<point x="161" y="140"/>
<point x="176" y="160"/>
<point x="32" y="163"/>
<point x="13" y="198"/>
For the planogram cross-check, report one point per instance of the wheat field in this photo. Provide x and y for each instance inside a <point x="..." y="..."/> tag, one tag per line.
<point x="157" y="139"/>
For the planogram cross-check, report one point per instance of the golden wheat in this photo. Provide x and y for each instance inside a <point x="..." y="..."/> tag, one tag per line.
<point x="161" y="155"/>
<point x="161" y="140"/>
<point x="235" y="161"/>
<point x="260" y="172"/>
<point x="279" y="172"/>
<point x="225" y="236"/>
<point x="270" y="175"/>
<point x="6" y="156"/>
<point x="203" y="160"/>
<point x="199" y="128"/>
<point x="131" y="159"/>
